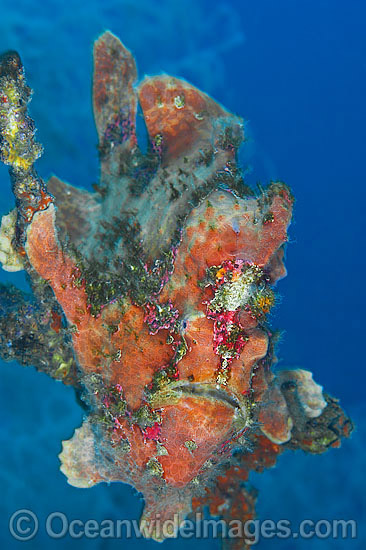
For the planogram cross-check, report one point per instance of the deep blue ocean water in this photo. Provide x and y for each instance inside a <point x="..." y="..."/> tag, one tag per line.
<point x="296" y="72"/>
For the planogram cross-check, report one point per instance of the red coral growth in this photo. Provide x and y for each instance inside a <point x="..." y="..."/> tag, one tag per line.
<point x="160" y="316"/>
<point x="153" y="432"/>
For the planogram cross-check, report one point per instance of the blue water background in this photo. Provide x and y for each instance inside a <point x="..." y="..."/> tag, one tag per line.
<point x="296" y="72"/>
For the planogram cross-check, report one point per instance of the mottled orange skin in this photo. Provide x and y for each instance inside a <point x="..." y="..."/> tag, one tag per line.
<point x="201" y="362"/>
<point x="222" y="228"/>
<point x="178" y="112"/>
<point x="188" y="395"/>
<point x="201" y="421"/>
<point x="209" y="239"/>
<point x="141" y="354"/>
<point x="176" y="370"/>
<point x="212" y="236"/>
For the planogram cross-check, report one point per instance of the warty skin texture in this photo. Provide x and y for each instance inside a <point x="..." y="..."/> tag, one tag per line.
<point x="151" y="297"/>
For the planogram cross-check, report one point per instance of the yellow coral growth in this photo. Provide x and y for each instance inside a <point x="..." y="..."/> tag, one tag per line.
<point x="18" y="148"/>
<point x="264" y="303"/>
<point x="11" y="157"/>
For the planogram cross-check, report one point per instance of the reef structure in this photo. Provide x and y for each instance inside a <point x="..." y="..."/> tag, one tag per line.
<point x="151" y="295"/>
